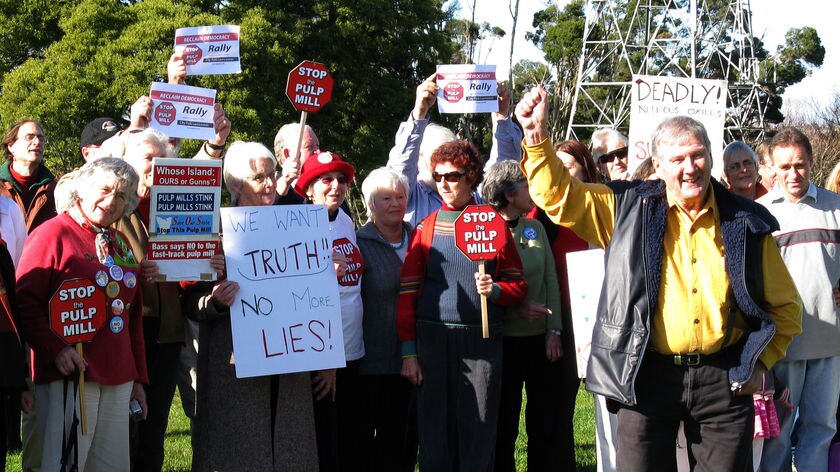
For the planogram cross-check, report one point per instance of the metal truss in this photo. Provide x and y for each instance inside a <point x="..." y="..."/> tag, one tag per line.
<point x="709" y="39"/>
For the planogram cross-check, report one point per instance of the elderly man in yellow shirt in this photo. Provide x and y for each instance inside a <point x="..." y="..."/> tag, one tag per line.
<point x="696" y="304"/>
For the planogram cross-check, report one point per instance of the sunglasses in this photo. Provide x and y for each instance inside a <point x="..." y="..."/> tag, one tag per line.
<point x="449" y="176"/>
<point x="620" y="153"/>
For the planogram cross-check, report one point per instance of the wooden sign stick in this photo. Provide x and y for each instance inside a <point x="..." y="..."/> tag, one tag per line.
<point x="485" y="325"/>
<point x="300" y="136"/>
<point x="82" y="407"/>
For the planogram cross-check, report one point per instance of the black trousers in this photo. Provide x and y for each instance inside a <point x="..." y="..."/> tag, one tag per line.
<point x="524" y="362"/>
<point x="389" y="436"/>
<point x="718" y="424"/>
<point x="162" y="364"/>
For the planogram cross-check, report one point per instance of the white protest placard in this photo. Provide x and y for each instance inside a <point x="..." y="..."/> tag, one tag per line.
<point x="209" y="49"/>
<point x="467" y="88"/>
<point x="584" y="294"/>
<point x="287" y="313"/>
<point x="656" y="98"/>
<point x="181" y="111"/>
<point x="184" y="217"/>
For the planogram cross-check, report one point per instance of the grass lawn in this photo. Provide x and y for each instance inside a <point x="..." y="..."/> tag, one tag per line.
<point x="179" y="454"/>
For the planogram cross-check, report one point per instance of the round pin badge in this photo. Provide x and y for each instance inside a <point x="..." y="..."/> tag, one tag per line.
<point x="116" y="272"/>
<point x="117" y="324"/>
<point x="530" y="233"/>
<point x="101" y="278"/>
<point x="129" y="279"/>
<point x="109" y="261"/>
<point x="117" y="306"/>
<point x="112" y="289"/>
<point x="325" y="157"/>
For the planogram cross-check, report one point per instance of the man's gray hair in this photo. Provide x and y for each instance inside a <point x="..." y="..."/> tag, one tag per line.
<point x="501" y="180"/>
<point x="239" y="166"/>
<point x="287" y="138"/>
<point x="89" y="175"/>
<point x="379" y="179"/>
<point x="433" y="136"/>
<point x="601" y="137"/>
<point x="674" y="130"/>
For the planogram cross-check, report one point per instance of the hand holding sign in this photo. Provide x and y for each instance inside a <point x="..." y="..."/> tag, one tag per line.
<point x="426" y="96"/>
<point x="77" y="311"/>
<point x="480" y="234"/>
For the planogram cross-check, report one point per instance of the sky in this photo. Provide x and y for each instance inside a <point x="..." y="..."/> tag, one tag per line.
<point x="771" y="20"/>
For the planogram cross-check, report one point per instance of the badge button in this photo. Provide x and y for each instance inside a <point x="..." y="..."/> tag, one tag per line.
<point x="117" y="306"/>
<point x="116" y="272"/>
<point x="130" y="280"/>
<point x="116" y="324"/>
<point x="101" y="278"/>
<point x="109" y="261"/>
<point x="112" y="289"/>
<point x="530" y="233"/>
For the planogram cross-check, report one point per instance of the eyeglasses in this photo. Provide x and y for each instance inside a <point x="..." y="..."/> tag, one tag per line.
<point x="620" y="153"/>
<point x="29" y="137"/>
<point x="328" y="179"/>
<point x="737" y="166"/>
<point x="449" y="176"/>
<point x="261" y="178"/>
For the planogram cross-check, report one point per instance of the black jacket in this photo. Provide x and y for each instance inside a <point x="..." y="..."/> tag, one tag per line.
<point x="629" y="295"/>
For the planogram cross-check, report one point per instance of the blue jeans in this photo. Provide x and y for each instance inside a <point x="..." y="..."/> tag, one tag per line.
<point x="814" y="389"/>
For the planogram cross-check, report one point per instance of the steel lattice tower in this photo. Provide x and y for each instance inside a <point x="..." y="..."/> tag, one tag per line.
<point x="682" y="38"/>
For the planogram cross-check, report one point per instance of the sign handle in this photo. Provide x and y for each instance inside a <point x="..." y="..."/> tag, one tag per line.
<point x="300" y="136"/>
<point x="82" y="407"/>
<point x="485" y="328"/>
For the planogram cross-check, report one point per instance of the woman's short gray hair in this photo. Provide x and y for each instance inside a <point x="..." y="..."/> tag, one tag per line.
<point x="738" y="147"/>
<point x="500" y="181"/>
<point x="149" y="136"/>
<point x="239" y="164"/>
<point x="379" y="179"/>
<point x="67" y="189"/>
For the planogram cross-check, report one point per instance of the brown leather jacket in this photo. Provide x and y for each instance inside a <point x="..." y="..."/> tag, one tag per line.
<point x="42" y="206"/>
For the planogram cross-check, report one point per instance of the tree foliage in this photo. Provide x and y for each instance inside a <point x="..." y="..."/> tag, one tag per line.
<point x="101" y="55"/>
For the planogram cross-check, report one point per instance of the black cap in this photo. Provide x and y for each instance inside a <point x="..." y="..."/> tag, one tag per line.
<point x="99" y="130"/>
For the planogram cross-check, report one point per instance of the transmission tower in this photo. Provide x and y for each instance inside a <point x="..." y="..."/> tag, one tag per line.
<point x="704" y="39"/>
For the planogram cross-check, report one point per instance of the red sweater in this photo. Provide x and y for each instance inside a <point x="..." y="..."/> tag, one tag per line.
<point x="510" y="290"/>
<point x="61" y="250"/>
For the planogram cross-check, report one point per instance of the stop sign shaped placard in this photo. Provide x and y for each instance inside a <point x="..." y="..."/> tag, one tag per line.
<point x="77" y="311"/>
<point x="480" y="232"/>
<point x="309" y="86"/>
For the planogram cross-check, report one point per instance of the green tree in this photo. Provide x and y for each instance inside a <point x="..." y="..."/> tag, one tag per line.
<point x="108" y="52"/>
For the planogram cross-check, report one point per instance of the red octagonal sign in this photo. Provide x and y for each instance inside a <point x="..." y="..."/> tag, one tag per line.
<point x="480" y="232"/>
<point x="309" y="87"/>
<point x="77" y="311"/>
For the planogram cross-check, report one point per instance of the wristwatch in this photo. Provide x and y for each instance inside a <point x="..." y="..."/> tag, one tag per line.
<point x="556" y="331"/>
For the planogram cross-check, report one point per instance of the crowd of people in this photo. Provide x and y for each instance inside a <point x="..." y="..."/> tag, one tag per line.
<point x="717" y="321"/>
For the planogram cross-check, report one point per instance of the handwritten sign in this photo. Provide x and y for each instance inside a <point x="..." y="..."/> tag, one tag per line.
<point x="209" y="49"/>
<point x="181" y="111"/>
<point x="309" y="86"/>
<point x="287" y="313"/>
<point x="656" y="98"/>
<point x="480" y="232"/>
<point x="467" y="88"/>
<point x="77" y="311"/>
<point x="184" y="217"/>
<point x="584" y="294"/>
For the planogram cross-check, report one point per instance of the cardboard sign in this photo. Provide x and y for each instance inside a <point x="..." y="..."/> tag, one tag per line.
<point x="184" y="217"/>
<point x="656" y="98"/>
<point x="209" y="49"/>
<point x="480" y="232"/>
<point x="287" y="313"/>
<point x="77" y="311"/>
<point x="309" y="86"/>
<point x="584" y="294"/>
<point x="181" y="111"/>
<point x="467" y="88"/>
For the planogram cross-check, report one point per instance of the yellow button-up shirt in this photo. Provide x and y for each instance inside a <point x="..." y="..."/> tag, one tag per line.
<point x="693" y="309"/>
